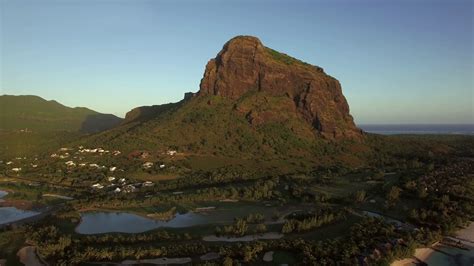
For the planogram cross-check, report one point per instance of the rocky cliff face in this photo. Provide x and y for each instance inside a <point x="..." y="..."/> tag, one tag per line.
<point x="244" y="66"/>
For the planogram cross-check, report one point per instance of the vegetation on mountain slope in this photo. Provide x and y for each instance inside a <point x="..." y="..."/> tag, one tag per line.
<point x="37" y="114"/>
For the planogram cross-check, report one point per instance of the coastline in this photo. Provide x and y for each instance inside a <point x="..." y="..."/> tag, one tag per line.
<point x="466" y="235"/>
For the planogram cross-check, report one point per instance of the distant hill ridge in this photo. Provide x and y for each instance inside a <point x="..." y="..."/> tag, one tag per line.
<point x="38" y="114"/>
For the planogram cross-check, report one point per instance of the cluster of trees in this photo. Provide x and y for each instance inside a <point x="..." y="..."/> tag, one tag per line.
<point x="255" y="218"/>
<point x="252" y="223"/>
<point x="392" y="196"/>
<point x="365" y="237"/>
<point x="359" y="196"/>
<point x="300" y="223"/>
<point x="202" y="179"/>
<point x="239" y="228"/>
<point x="447" y="196"/>
<point x="62" y="249"/>
<point x="161" y="235"/>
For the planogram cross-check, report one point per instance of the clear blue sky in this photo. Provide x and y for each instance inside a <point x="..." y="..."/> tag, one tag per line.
<point x="399" y="61"/>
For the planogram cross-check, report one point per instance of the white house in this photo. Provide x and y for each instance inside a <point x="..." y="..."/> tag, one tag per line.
<point x="8" y="163"/>
<point x="70" y="163"/>
<point x="16" y="169"/>
<point x="162" y="166"/>
<point x="113" y="168"/>
<point x="117" y="190"/>
<point x="110" y="178"/>
<point x="148" y="184"/>
<point x="94" y="165"/>
<point x="147" y="165"/>
<point x="98" y="186"/>
<point x="171" y="152"/>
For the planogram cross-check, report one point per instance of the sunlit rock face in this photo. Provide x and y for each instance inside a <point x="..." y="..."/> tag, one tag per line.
<point x="244" y="65"/>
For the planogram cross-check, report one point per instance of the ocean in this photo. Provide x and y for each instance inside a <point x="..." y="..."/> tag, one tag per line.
<point x="393" y="129"/>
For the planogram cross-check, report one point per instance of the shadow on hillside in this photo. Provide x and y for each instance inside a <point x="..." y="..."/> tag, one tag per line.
<point x="99" y="122"/>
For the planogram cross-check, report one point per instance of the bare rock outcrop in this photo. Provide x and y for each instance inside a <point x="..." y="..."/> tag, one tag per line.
<point x="245" y="65"/>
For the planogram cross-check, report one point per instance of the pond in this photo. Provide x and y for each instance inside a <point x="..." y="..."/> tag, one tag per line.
<point x="12" y="214"/>
<point x="2" y="194"/>
<point x="123" y="222"/>
<point x="446" y="256"/>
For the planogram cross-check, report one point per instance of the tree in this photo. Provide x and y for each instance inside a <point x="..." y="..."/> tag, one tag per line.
<point x="260" y="228"/>
<point x="227" y="261"/>
<point x="393" y="195"/>
<point x="359" y="196"/>
<point x="422" y="192"/>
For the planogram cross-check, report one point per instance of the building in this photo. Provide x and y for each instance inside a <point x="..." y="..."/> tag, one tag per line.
<point x="97" y="186"/>
<point x="171" y="152"/>
<point x="148" y="184"/>
<point x="147" y="165"/>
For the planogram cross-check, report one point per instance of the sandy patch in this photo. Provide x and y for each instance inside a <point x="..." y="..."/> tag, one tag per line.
<point x="160" y="261"/>
<point x="421" y="254"/>
<point x="266" y="236"/>
<point x="404" y="262"/>
<point x="229" y="200"/>
<point x="28" y="256"/>
<point x="268" y="256"/>
<point x="210" y="256"/>
<point x="58" y="196"/>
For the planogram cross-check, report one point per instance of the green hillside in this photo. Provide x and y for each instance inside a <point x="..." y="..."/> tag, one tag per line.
<point x="37" y="114"/>
<point x="216" y="127"/>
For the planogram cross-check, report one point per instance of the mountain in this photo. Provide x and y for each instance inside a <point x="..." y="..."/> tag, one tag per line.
<point x="37" y="114"/>
<point x="245" y="67"/>
<point x="253" y="102"/>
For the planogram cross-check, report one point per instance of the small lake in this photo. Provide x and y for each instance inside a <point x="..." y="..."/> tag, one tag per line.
<point x="123" y="222"/>
<point x="12" y="214"/>
<point x="3" y="193"/>
<point x="451" y="256"/>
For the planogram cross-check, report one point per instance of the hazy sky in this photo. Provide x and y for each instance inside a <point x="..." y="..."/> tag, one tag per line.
<point x="404" y="61"/>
